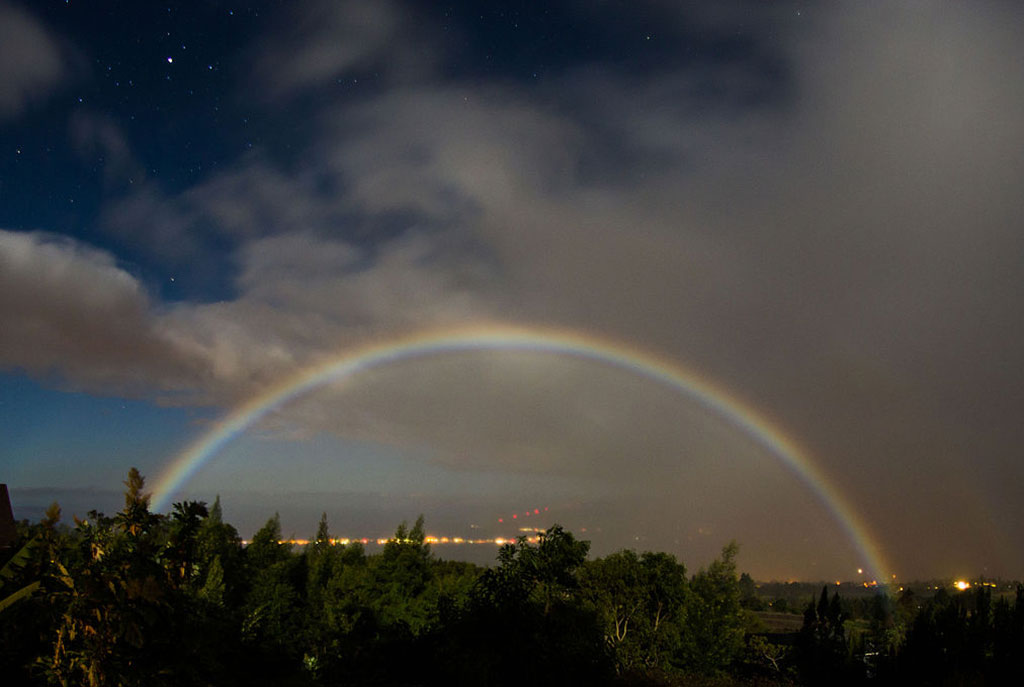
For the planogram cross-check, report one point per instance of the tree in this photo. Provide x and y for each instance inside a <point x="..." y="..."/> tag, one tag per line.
<point x="529" y="605"/>
<point x="218" y="552"/>
<point x="749" y="598"/>
<point x="116" y="624"/>
<point x="553" y="565"/>
<point x="321" y="560"/>
<point x="400" y="577"/>
<point x="640" y="602"/>
<point x="668" y="593"/>
<point x="266" y="548"/>
<point x="183" y="543"/>
<point x="616" y="585"/>
<point x="272" y="606"/>
<point x="823" y="645"/>
<point x="1008" y="636"/>
<point x="714" y="620"/>
<point x="766" y="653"/>
<point x="28" y="613"/>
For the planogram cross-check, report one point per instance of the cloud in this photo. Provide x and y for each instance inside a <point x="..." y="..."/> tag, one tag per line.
<point x="137" y="212"/>
<point x="302" y="298"/>
<point x="30" y="60"/>
<point x="97" y="135"/>
<point x="72" y="314"/>
<point x="323" y="42"/>
<point x="749" y="240"/>
<point x="164" y="226"/>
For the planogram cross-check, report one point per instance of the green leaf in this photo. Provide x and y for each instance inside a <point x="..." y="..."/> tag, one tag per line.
<point x="22" y="593"/>
<point x="19" y="560"/>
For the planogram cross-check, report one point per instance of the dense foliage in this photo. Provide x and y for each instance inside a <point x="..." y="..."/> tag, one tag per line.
<point x="147" y="599"/>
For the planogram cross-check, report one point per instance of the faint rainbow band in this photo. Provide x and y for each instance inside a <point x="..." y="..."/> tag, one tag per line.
<point x="532" y="339"/>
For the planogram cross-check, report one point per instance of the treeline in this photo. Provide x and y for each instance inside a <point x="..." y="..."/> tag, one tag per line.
<point x="959" y="638"/>
<point x="147" y="599"/>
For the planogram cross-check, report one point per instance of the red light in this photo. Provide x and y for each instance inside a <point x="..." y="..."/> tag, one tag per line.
<point x="526" y="514"/>
<point x="501" y="519"/>
<point x="514" y="516"/>
<point x="537" y="510"/>
<point x="545" y="507"/>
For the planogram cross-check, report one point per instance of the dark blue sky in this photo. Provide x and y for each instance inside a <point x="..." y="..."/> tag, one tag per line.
<point x="816" y="208"/>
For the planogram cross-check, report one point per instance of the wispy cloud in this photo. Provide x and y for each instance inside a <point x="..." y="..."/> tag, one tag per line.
<point x="31" y="61"/>
<point x="323" y="44"/>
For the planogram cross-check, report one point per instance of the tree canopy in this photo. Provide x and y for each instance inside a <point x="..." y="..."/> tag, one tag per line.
<point x="140" y="598"/>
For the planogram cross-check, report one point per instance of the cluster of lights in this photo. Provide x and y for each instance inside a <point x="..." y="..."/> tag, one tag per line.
<point x="531" y="534"/>
<point x="865" y="585"/>
<point x="429" y="539"/>
<point x="527" y="513"/>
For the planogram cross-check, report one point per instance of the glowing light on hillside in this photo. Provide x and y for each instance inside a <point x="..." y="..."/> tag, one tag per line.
<point x="962" y="585"/>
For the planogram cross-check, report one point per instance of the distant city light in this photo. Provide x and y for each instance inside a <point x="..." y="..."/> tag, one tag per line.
<point x="427" y="539"/>
<point x="962" y="585"/>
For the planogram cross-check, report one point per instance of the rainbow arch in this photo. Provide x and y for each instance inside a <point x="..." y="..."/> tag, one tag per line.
<point x="532" y="339"/>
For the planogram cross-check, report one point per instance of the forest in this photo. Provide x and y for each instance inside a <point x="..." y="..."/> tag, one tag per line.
<point x="141" y="598"/>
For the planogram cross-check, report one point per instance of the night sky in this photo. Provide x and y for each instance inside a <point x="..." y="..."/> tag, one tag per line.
<point x="817" y="207"/>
